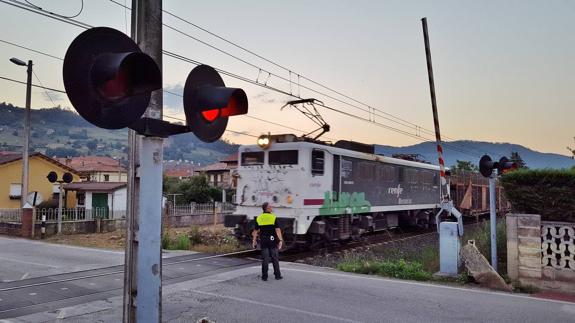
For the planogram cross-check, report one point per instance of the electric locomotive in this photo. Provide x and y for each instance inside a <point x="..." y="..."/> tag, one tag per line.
<point x="325" y="192"/>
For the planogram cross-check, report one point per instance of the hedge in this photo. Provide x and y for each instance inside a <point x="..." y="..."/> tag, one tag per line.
<point x="548" y="192"/>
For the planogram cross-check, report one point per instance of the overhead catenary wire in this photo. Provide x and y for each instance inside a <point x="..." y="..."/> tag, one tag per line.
<point x="290" y="71"/>
<point x="73" y="16"/>
<point x="370" y="110"/>
<point x="245" y="79"/>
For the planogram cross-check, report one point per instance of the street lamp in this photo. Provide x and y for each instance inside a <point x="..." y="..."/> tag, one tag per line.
<point x="25" y="153"/>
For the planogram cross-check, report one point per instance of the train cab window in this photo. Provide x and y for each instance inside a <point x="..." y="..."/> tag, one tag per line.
<point x="283" y="157"/>
<point x="317" y="162"/>
<point x="252" y="158"/>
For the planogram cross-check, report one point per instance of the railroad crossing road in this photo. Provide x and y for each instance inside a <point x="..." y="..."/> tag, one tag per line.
<point x="71" y="287"/>
<point x="311" y="294"/>
<point x="22" y="258"/>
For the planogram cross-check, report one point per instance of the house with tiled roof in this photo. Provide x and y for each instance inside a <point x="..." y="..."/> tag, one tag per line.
<point x="97" y="168"/>
<point x="39" y="166"/>
<point x="220" y="174"/>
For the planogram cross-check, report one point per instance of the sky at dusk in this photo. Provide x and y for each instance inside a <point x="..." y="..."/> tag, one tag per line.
<point x="504" y="70"/>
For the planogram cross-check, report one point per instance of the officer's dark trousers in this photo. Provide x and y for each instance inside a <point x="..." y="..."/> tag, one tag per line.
<point x="273" y="255"/>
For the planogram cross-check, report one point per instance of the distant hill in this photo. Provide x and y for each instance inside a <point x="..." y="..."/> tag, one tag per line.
<point x="532" y="158"/>
<point x="60" y="132"/>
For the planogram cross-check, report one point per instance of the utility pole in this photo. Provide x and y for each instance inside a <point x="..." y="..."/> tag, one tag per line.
<point x="143" y="262"/>
<point x="26" y="145"/>
<point x="26" y="153"/>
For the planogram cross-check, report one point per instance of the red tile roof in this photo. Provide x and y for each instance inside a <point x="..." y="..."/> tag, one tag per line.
<point x="87" y="164"/>
<point x="217" y="166"/>
<point x="94" y="186"/>
<point x="8" y="157"/>
<point x="233" y="158"/>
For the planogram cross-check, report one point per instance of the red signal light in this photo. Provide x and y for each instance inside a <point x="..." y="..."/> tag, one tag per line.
<point x="211" y="115"/>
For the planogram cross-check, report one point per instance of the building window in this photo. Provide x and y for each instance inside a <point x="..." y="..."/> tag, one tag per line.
<point x="15" y="191"/>
<point x="106" y="178"/>
<point x="317" y="162"/>
<point x="283" y="157"/>
<point x="252" y="158"/>
<point x="81" y="198"/>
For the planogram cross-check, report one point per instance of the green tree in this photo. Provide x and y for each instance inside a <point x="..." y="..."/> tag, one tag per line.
<point x="516" y="158"/>
<point x="464" y="165"/>
<point x="196" y="189"/>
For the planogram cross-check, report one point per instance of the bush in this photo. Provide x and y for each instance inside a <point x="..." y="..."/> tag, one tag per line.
<point x="398" y="269"/>
<point x="547" y="192"/>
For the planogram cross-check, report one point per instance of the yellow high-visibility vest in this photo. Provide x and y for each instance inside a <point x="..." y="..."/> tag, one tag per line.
<point x="266" y="219"/>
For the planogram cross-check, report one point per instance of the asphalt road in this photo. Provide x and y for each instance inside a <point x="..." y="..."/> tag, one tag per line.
<point x="22" y="259"/>
<point x="311" y="294"/>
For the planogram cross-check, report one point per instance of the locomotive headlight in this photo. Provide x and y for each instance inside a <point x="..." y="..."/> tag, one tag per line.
<point x="264" y="141"/>
<point x="289" y="199"/>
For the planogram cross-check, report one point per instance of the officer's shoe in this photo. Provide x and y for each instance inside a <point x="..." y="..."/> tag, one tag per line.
<point x="265" y="279"/>
<point x="279" y="278"/>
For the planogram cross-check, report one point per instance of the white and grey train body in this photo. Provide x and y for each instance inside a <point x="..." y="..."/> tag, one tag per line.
<point x="322" y="192"/>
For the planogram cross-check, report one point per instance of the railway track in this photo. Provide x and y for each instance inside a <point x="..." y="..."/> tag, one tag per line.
<point x="46" y="293"/>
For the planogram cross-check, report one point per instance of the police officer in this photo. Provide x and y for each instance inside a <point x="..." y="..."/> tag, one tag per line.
<point x="270" y="239"/>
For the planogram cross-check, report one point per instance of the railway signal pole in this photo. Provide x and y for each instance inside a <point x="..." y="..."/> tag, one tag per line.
<point x="143" y="261"/>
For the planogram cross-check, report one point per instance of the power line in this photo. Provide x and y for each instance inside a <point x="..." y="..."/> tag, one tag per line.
<point x="86" y="26"/>
<point x="419" y="137"/>
<point x="30" y="49"/>
<point x="34" y="85"/>
<point x="290" y="71"/>
<point x="45" y="13"/>
<point x="68" y="17"/>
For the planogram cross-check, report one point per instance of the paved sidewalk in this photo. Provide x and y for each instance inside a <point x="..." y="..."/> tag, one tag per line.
<point x="312" y="294"/>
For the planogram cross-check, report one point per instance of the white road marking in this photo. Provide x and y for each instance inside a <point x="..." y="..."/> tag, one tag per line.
<point x="33" y="294"/>
<point x="198" y="265"/>
<point x="181" y="268"/>
<point x="63" y="288"/>
<point x="92" y="284"/>
<point x="467" y="290"/>
<point x="28" y="262"/>
<point x="25" y="276"/>
<point x="61" y="314"/>
<point x="245" y="300"/>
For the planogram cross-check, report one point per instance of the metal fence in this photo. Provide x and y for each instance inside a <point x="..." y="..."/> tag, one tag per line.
<point x="200" y="209"/>
<point x="79" y="214"/>
<point x="11" y="215"/>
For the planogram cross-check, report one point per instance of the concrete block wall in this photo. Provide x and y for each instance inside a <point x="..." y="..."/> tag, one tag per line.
<point x="524" y="249"/>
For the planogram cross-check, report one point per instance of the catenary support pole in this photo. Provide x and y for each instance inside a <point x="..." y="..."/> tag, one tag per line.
<point x="143" y="285"/>
<point x="493" y="218"/>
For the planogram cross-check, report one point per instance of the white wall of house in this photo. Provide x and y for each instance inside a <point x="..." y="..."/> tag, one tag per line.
<point x="119" y="199"/>
<point x="110" y="176"/>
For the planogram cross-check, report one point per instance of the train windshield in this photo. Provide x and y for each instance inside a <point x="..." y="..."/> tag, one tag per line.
<point x="283" y="157"/>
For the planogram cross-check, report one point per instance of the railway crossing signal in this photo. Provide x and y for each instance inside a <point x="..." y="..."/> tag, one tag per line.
<point x="486" y="165"/>
<point x="109" y="82"/>
<point x="208" y="103"/>
<point x="108" y="79"/>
